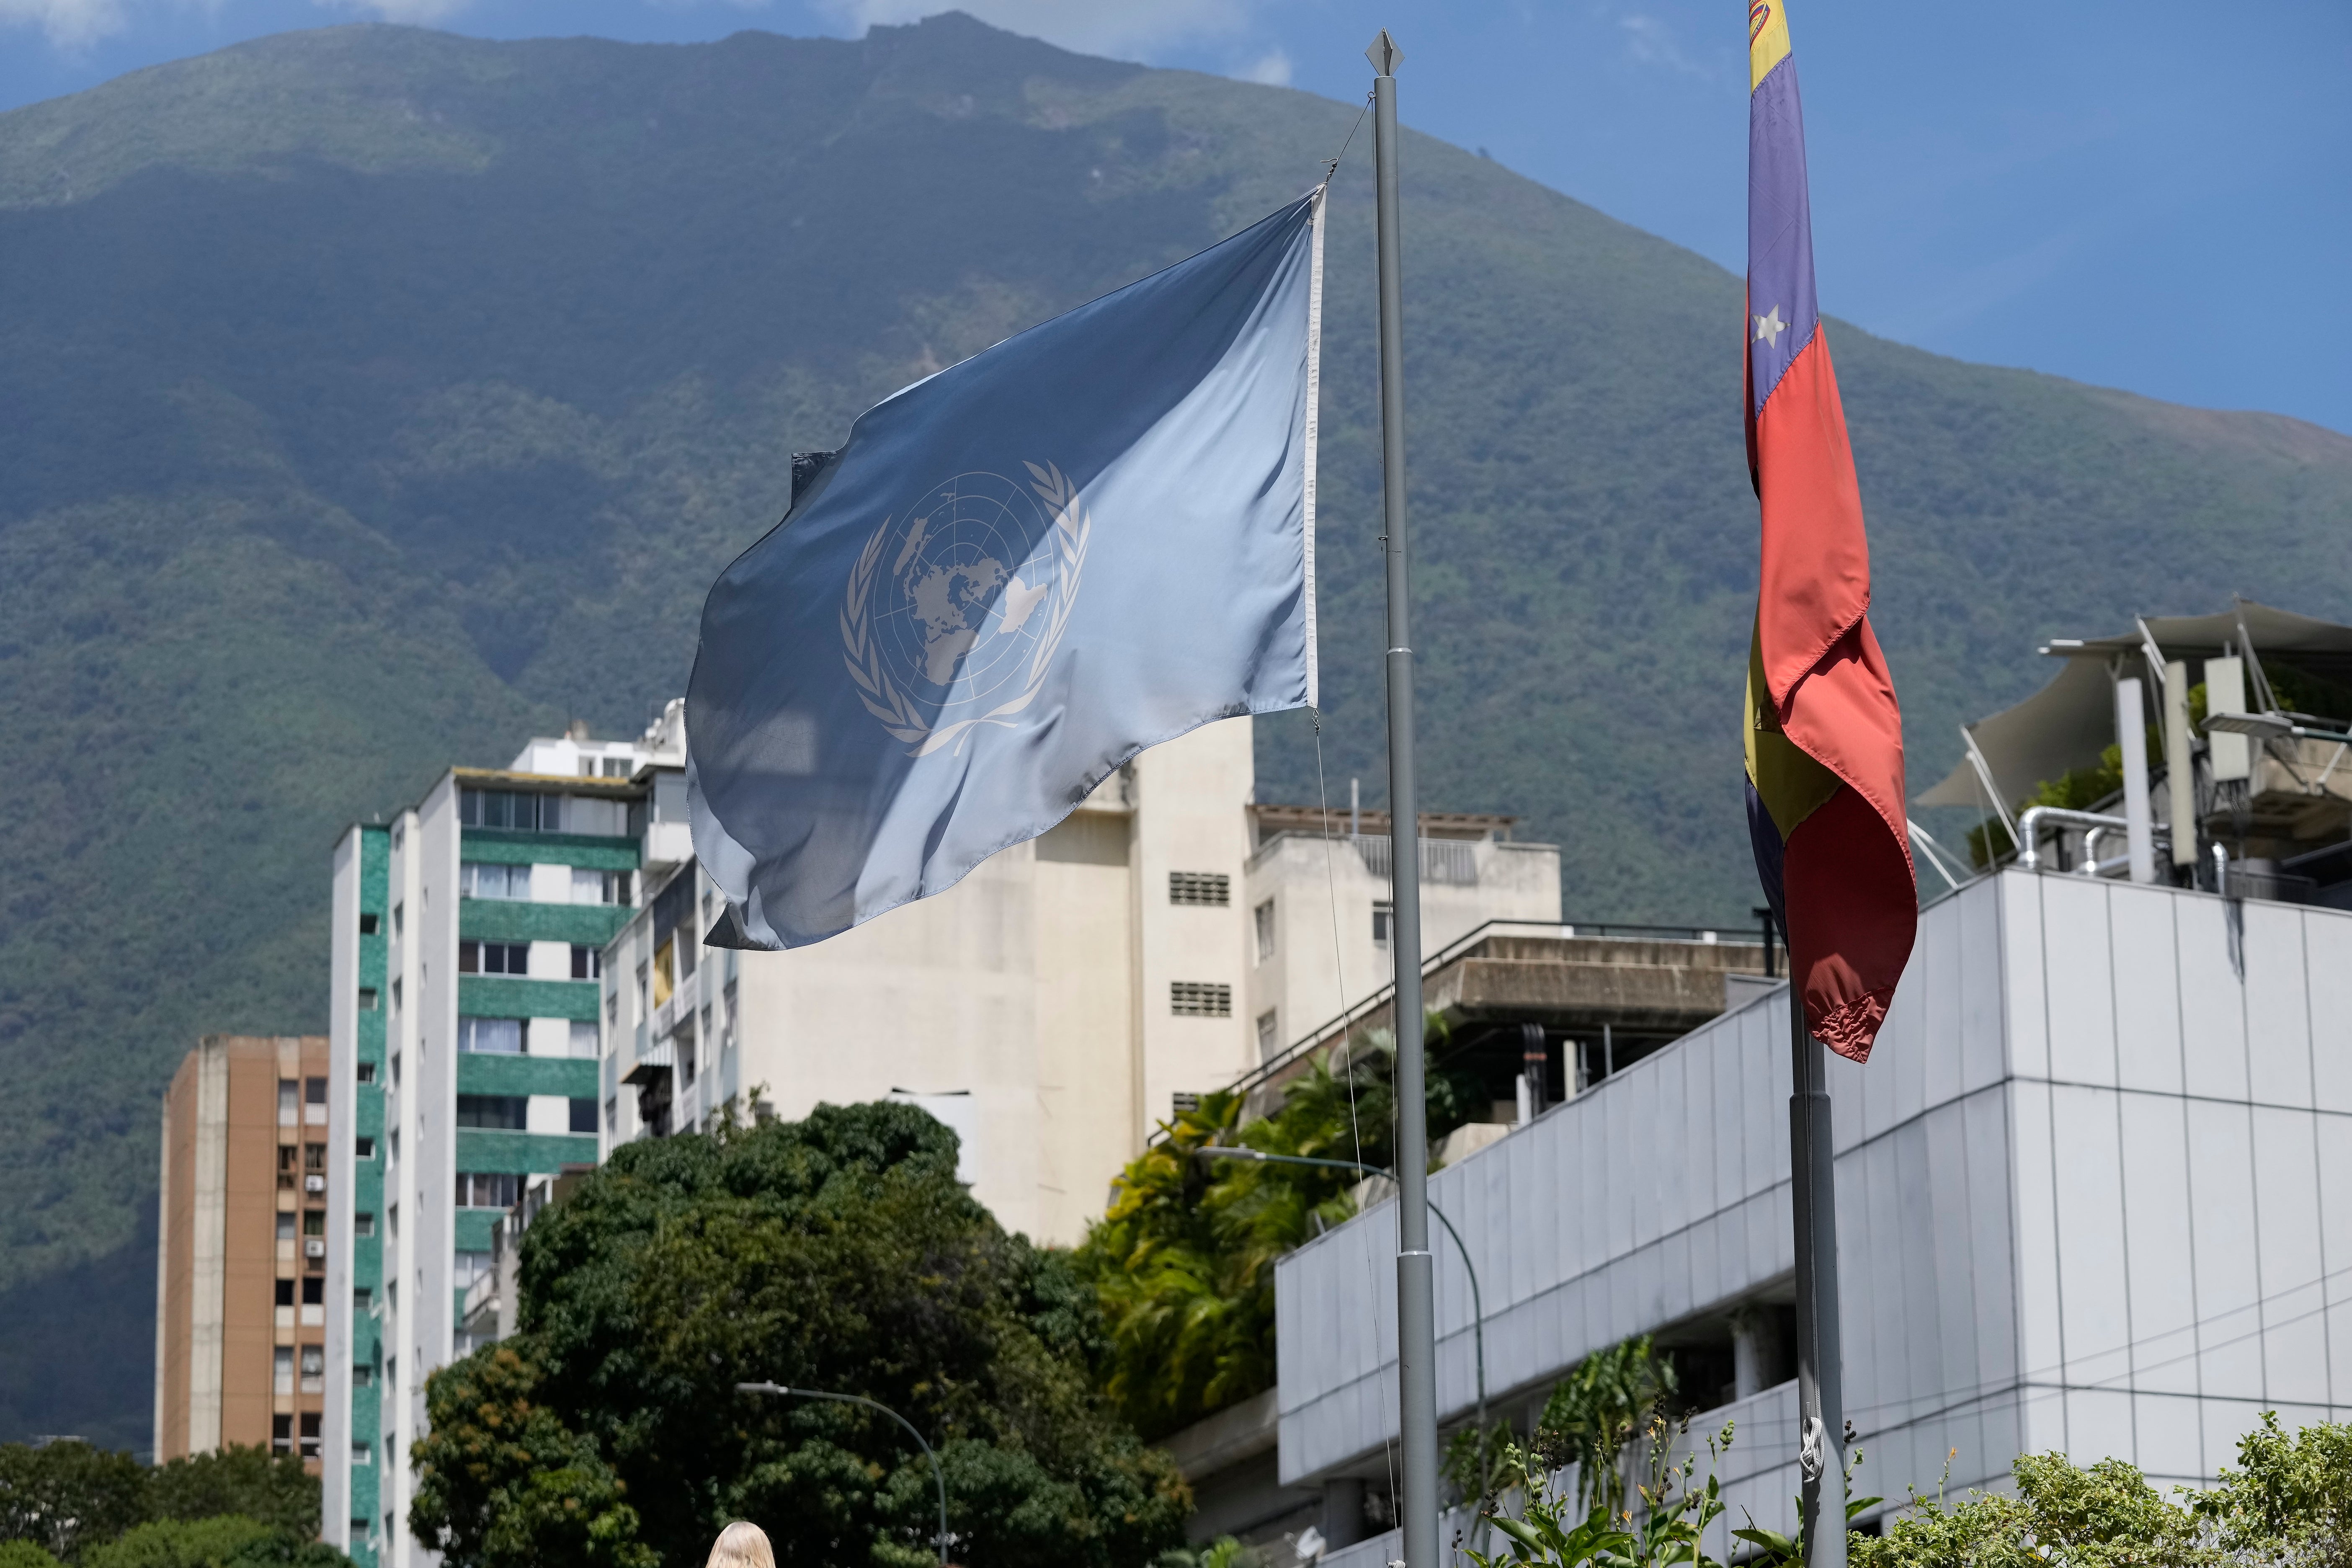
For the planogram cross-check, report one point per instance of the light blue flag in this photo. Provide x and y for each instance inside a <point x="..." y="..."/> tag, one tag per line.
<point x="1013" y="577"/>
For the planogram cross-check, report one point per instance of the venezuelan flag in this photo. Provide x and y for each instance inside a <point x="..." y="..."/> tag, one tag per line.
<point x="1824" y="733"/>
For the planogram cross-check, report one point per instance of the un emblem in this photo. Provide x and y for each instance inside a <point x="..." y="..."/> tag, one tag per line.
<point x="952" y="617"/>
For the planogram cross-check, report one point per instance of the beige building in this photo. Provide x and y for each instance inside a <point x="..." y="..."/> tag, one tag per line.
<point x="240" y="1287"/>
<point x="1055" y="1006"/>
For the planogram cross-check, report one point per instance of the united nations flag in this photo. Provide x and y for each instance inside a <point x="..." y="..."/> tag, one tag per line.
<point x="1012" y="577"/>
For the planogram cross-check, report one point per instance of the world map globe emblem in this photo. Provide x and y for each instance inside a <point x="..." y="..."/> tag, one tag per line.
<point x="957" y="602"/>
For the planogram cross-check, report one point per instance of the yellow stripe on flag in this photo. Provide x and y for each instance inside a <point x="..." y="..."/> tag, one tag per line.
<point x="1790" y="784"/>
<point x="1767" y="39"/>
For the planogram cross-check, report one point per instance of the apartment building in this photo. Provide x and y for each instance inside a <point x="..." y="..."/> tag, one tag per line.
<point x="1065" y="998"/>
<point x="463" y="1041"/>
<point x="241" y="1281"/>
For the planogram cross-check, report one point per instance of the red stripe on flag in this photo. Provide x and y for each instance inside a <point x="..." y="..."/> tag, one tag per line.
<point x="1816" y="582"/>
<point x="1853" y="914"/>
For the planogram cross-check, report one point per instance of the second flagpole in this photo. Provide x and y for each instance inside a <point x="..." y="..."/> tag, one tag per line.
<point x="1416" y="1295"/>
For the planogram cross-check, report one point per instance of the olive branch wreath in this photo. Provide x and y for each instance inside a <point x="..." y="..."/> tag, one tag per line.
<point x="1070" y="532"/>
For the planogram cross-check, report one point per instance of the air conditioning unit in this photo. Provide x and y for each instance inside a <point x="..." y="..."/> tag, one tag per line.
<point x="314" y="1183"/>
<point x="315" y="1247"/>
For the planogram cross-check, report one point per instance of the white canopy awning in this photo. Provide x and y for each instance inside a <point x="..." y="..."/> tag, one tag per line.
<point x="2070" y="721"/>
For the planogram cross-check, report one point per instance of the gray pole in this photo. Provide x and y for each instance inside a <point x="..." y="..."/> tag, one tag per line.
<point x="1416" y="1297"/>
<point x="1820" y="1399"/>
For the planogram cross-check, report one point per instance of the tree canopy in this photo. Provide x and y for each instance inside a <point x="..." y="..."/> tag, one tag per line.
<point x="1183" y="1261"/>
<point x="836" y="1253"/>
<point x="238" y="1505"/>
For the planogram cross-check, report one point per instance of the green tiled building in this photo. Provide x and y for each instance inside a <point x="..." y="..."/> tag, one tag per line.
<point x="466" y="1061"/>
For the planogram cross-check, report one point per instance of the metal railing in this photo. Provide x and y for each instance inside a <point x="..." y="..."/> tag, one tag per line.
<point x="1347" y="1019"/>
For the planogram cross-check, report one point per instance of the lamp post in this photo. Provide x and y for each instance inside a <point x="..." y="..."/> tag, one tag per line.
<point x="939" y="1477"/>
<point x="1478" y="1301"/>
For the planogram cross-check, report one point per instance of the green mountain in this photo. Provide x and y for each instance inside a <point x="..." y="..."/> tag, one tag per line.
<point x="370" y="398"/>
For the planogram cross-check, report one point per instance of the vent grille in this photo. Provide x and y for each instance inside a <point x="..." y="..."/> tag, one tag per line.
<point x="1199" y="999"/>
<point x="1199" y="888"/>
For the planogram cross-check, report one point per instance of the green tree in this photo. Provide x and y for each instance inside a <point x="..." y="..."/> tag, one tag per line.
<point x="2105" y="1516"/>
<point x="67" y="1495"/>
<point x="1184" y="1260"/>
<point x="246" y="1480"/>
<point x="836" y="1253"/>
<point x="2289" y="1499"/>
<point x="227" y="1541"/>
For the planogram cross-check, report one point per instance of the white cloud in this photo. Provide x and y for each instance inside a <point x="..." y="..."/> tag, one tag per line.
<point x="414" y="13"/>
<point x="1128" y="29"/>
<point x="69" y="24"/>
<point x="1270" y="69"/>
<point x="1650" y="42"/>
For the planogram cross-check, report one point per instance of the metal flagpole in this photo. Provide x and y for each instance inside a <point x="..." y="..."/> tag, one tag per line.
<point x="1416" y="1299"/>
<point x="1821" y="1400"/>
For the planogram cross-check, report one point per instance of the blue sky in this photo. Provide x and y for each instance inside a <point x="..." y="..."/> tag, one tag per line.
<point x="2156" y="196"/>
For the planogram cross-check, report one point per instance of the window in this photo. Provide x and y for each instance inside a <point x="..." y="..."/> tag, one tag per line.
<point x="586" y="962"/>
<point x="1383" y="916"/>
<point x="395" y="918"/>
<point x="285" y="1292"/>
<point x="511" y="808"/>
<point x="583" y="1114"/>
<point x="468" y="1267"/>
<point x="616" y="767"/>
<point x="364" y="1148"/>
<point x="362" y="1376"/>
<point x="365" y="1072"/>
<point x="1199" y="999"/>
<point x="314" y="1292"/>
<point x="487" y="1189"/>
<point x="395" y="999"/>
<point x="309" y="1418"/>
<point x="285" y="1228"/>
<point x="492" y="1036"/>
<point x="612" y="1008"/>
<point x="314" y="1222"/>
<point x="363" y="1299"/>
<point x="314" y="1156"/>
<point x="582" y="1038"/>
<point x="281" y="1374"/>
<point x="314" y="1101"/>
<point x="1183" y="1102"/>
<point x="369" y="923"/>
<point x="281" y="1427"/>
<point x="494" y="957"/>
<point x="1199" y="888"/>
<point x="507" y="1112"/>
<point x="290" y="1102"/>
<point x="613" y="1114"/>
<point x="1262" y="917"/>
<point x="362" y="1454"/>
<point x="363" y="1223"/>
<point x="480" y="880"/>
<point x="1268" y="1039"/>
<point x="370" y="1001"/>
<point x="590" y="887"/>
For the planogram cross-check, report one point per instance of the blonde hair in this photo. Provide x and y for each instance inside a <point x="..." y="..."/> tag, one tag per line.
<point x="742" y="1544"/>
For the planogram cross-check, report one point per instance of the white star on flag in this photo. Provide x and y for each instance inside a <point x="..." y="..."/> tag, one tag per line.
<point x="1769" y="328"/>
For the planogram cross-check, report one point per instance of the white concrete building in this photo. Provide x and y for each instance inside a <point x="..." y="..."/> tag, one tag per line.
<point x="2093" y="1194"/>
<point x="1054" y="1005"/>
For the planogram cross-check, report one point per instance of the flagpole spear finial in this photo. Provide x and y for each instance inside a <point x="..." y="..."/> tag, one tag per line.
<point x="1384" y="54"/>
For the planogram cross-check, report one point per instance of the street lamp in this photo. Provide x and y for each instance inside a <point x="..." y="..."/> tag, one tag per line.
<point x="1478" y="1302"/>
<point x="939" y="1477"/>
